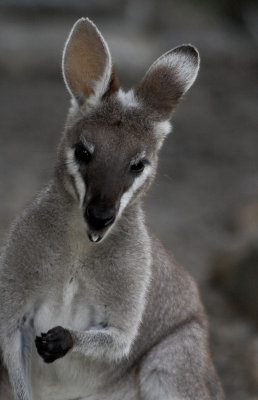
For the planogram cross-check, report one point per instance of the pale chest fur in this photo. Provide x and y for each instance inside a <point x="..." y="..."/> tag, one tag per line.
<point x="72" y="307"/>
<point x="68" y="298"/>
<point x="86" y="291"/>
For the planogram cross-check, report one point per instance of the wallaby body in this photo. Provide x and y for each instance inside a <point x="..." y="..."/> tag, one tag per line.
<point x="117" y="319"/>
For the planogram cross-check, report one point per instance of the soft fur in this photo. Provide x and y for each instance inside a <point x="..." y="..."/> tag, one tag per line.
<point x="128" y="322"/>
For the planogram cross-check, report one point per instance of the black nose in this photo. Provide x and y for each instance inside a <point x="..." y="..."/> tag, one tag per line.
<point x="99" y="217"/>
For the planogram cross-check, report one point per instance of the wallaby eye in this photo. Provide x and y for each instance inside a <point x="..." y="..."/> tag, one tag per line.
<point x="82" y="155"/>
<point x="137" y="167"/>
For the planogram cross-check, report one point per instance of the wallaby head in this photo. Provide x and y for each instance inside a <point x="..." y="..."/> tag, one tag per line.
<point x="108" y="153"/>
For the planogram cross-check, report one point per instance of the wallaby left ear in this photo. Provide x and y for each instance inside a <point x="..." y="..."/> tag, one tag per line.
<point x="168" y="79"/>
<point x="87" y="65"/>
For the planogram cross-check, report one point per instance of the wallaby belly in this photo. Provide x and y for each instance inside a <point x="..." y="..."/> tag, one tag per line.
<point x="69" y="378"/>
<point x="72" y="376"/>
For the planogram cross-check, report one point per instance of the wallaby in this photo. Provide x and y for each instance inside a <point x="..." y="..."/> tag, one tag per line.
<point x="92" y="306"/>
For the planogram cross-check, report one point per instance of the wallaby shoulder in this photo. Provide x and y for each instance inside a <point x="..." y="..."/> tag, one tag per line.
<point x="174" y="286"/>
<point x="33" y="230"/>
<point x="172" y="300"/>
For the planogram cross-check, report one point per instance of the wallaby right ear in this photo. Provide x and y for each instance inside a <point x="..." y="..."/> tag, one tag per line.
<point x="87" y="64"/>
<point x="168" y="79"/>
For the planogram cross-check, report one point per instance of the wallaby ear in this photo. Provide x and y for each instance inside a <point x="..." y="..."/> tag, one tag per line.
<point x="168" y="79"/>
<point x="87" y="65"/>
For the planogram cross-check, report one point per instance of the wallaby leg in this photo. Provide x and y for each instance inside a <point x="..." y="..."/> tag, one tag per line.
<point x="5" y="387"/>
<point x="16" y="366"/>
<point x="175" y="368"/>
<point x="17" y="356"/>
<point x="126" y="388"/>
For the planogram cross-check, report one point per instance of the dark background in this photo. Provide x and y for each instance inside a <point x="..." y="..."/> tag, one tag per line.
<point x="204" y="203"/>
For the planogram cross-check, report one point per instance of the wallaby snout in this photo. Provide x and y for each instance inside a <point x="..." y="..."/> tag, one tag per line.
<point x="103" y="193"/>
<point x="99" y="215"/>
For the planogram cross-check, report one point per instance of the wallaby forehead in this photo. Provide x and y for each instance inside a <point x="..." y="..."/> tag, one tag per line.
<point x="111" y="123"/>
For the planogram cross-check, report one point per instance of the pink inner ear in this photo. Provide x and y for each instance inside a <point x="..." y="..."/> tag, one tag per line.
<point x="160" y="90"/>
<point x="85" y="60"/>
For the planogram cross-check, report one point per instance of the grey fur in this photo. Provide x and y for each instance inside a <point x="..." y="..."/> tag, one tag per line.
<point x="138" y="327"/>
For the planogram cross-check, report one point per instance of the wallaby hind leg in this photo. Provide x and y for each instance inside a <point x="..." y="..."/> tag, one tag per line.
<point x="126" y="388"/>
<point x="175" y="369"/>
<point x="5" y="387"/>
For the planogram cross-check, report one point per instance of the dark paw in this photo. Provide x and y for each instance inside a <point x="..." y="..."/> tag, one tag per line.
<point x="54" y="344"/>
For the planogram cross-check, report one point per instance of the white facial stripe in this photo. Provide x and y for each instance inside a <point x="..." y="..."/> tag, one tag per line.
<point x="89" y="146"/>
<point x="138" y="157"/>
<point x="139" y="181"/>
<point x="73" y="170"/>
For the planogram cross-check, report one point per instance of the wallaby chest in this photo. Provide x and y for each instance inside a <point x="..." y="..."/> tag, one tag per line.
<point x="72" y="305"/>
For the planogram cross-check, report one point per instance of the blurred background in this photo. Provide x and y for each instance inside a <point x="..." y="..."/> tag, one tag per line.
<point x="204" y="203"/>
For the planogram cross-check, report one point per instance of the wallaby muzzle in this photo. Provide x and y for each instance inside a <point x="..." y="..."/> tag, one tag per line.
<point x="99" y="218"/>
<point x="99" y="215"/>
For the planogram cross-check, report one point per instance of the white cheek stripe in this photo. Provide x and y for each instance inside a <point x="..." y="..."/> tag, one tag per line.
<point x="73" y="170"/>
<point x="139" y="181"/>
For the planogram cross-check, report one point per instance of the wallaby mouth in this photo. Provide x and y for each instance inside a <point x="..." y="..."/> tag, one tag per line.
<point x="95" y="238"/>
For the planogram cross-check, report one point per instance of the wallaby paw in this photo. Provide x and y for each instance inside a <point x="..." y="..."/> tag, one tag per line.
<point x="54" y="344"/>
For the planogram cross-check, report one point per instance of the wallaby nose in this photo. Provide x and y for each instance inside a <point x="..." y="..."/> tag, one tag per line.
<point x="99" y="217"/>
